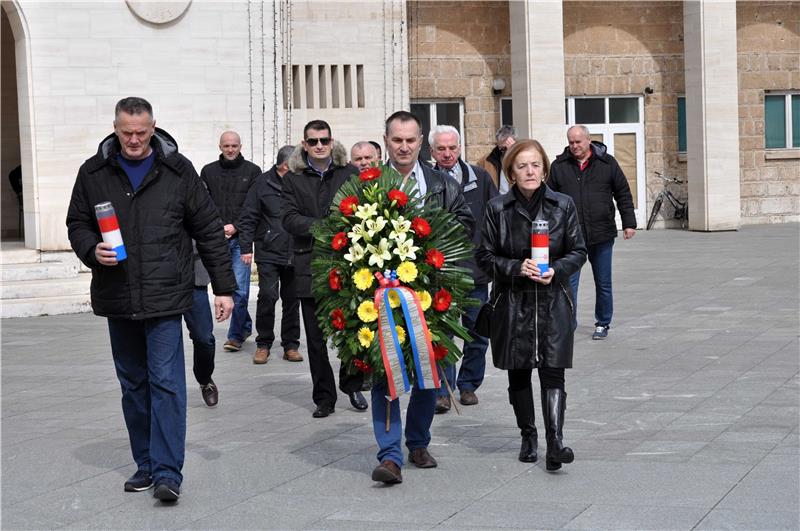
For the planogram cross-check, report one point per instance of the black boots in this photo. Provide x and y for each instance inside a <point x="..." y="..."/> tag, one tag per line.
<point x="522" y="400"/>
<point x="554" y="402"/>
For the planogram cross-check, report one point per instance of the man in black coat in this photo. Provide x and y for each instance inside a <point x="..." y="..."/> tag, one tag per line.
<point x="478" y="189"/>
<point x="592" y="178"/>
<point x="228" y="180"/>
<point x="161" y="205"/>
<point x="403" y="140"/>
<point x="317" y="169"/>
<point x="260" y="222"/>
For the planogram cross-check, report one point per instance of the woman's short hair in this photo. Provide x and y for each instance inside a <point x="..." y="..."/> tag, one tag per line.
<point x="516" y="149"/>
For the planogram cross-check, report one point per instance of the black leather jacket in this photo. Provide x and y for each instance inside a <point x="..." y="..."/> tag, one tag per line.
<point x="532" y="323"/>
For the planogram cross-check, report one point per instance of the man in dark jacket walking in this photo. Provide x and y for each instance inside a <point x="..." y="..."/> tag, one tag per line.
<point x="260" y="222"/>
<point x="228" y="180"/>
<point x="161" y="206"/>
<point x="478" y="189"/>
<point x="592" y="178"/>
<point x="403" y="139"/>
<point x="317" y="169"/>
<point x="505" y="137"/>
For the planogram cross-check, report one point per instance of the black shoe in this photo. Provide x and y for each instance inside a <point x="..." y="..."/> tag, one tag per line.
<point x="322" y="411"/>
<point x="167" y="490"/>
<point x="358" y="401"/>
<point x="442" y="404"/>
<point x="141" y="480"/>
<point x="210" y="393"/>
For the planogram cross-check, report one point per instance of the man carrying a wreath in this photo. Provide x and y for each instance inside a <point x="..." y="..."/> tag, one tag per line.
<point x="403" y="140"/>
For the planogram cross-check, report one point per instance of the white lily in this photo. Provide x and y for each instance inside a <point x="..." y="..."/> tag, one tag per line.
<point x="401" y="226"/>
<point x="357" y="232"/>
<point x="366" y="211"/>
<point x="374" y="226"/>
<point x="405" y="248"/>
<point x="355" y="254"/>
<point x="380" y="253"/>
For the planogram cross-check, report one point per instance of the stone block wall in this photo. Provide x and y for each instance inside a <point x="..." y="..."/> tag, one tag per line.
<point x="619" y="48"/>
<point x="456" y="50"/>
<point x="768" y="42"/>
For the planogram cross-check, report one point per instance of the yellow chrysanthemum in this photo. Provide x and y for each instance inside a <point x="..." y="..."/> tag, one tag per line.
<point x="363" y="279"/>
<point x="367" y="311"/>
<point x="407" y="272"/>
<point x="425" y="299"/>
<point x="365" y="336"/>
<point x="401" y="334"/>
<point x="394" y="299"/>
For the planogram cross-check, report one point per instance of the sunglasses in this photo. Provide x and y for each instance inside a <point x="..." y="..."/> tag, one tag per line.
<point x="313" y="141"/>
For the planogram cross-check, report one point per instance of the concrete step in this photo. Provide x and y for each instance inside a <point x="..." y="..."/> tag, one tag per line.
<point x="44" y="306"/>
<point x="38" y="271"/>
<point x="16" y="254"/>
<point x="31" y="289"/>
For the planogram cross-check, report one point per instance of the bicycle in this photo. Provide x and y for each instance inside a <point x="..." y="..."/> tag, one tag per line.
<point x="680" y="208"/>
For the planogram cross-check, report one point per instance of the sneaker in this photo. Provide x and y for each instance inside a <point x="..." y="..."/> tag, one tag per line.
<point x="600" y="332"/>
<point x="210" y="393"/>
<point x="232" y="345"/>
<point x="167" y="490"/>
<point x="141" y="480"/>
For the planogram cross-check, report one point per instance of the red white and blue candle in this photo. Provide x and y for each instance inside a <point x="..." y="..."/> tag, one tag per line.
<point x="109" y="228"/>
<point x="540" y="245"/>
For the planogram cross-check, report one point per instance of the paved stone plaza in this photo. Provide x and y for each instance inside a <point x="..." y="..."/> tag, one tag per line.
<point x="685" y="418"/>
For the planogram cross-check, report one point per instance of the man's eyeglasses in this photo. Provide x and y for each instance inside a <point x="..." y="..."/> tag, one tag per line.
<point x="313" y="141"/>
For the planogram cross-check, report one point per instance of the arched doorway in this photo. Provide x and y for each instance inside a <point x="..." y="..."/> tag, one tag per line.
<point x="11" y="219"/>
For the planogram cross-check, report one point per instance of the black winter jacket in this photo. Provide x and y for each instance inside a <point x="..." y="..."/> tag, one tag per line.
<point x="260" y="221"/>
<point x="443" y="191"/>
<point x="228" y="182"/>
<point x="158" y="223"/>
<point x="478" y="188"/>
<point x="532" y="323"/>
<point x="307" y="199"/>
<point x="592" y="191"/>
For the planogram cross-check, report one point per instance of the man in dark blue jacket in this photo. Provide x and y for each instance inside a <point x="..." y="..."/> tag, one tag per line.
<point x="478" y="189"/>
<point x="260" y="223"/>
<point x="161" y="205"/>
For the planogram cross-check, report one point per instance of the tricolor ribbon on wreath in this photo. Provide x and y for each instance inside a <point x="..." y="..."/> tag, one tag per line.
<point x="398" y="381"/>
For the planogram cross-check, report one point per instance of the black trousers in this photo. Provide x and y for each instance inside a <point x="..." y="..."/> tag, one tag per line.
<point x="549" y="378"/>
<point x="324" y="386"/>
<point x="277" y="281"/>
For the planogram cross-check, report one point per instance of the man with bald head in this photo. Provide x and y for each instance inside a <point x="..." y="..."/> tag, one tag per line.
<point x="363" y="155"/>
<point x="228" y="180"/>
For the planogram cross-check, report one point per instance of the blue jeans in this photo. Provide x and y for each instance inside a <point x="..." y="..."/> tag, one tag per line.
<point x="419" y="417"/>
<point x="473" y="364"/>
<point x="241" y="324"/>
<point x="201" y="331"/>
<point x="600" y="258"/>
<point x="148" y="357"/>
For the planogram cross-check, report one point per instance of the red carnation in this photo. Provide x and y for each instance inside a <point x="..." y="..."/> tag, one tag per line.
<point x="370" y="174"/>
<point x="435" y="258"/>
<point x="400" y="197"/>
<point x="348" y="205"/>
<point x="335" y="280"/>
<point x="442" y="300"/>
<point x="337" y="319"/>
<point x="362" y="366"/>
<point x="439" y="352"/>
<point x="339" y="241"/>
<point x="421" y="227"/>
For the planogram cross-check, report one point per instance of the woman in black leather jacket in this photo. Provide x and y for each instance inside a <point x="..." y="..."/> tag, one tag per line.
<point x="531" y="326"/>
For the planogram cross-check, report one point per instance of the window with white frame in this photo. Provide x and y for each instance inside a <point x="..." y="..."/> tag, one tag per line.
<point x="782" y="120"/>
<point x="438" y="112"/>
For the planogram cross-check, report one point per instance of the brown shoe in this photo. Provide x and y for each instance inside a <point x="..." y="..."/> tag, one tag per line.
<point x="442" y="404"/>
<point x="261" y="356"/>
<point x="232" y="346"/>
<point x="292" y="355"/>
<point x="468" y="398"/>
<point x="387" y="472"/>
<point x="422" y="458"/>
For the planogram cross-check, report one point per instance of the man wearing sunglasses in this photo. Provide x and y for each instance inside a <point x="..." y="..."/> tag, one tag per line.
<point x="317" y="169"/>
